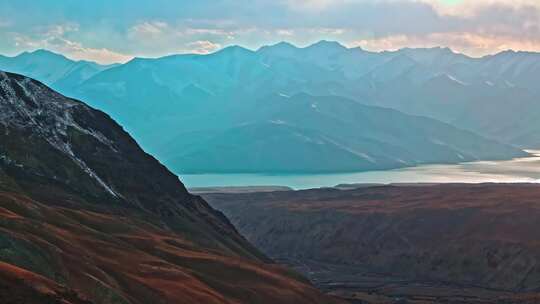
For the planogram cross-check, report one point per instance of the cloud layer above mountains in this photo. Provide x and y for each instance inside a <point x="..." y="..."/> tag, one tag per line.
<point x="115" y="31"/>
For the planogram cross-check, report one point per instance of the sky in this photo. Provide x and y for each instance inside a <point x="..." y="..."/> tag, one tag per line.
<point x="109" y="31"/>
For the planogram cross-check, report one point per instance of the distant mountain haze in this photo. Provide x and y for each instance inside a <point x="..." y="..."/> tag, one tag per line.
<point x="52" y="69"/>
<point x="314" y="109"/>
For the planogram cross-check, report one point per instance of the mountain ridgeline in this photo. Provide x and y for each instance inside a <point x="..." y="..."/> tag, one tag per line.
<point x="322" y="108"/>
<point x="87" y="217"/>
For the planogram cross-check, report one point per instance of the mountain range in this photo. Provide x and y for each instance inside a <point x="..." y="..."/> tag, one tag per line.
<point x="237" y="110"/>
<point x="86" y="216"/>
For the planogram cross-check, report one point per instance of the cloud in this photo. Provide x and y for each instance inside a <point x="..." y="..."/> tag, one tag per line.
<point x="314" y="5"/>
<point x="285" y="32"/>
<point x="4" y="23"/>
<point x="329" y="31"/>
<point x="77" y="51"/>
<point x="157" y="37"/>
<point x="149" y="28"/>
<point x="54" y="38"/>
<point x="471" y="8"/>
<point x="476" y="45"/>
<point x="203" y="47"/>
<point x="163" y="27"/>
<point x="42" y="37"/>
<point x="159" y="29"/>
<point x="474" y="27"/>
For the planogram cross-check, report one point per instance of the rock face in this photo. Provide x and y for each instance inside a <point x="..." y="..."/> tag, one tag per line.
<point x="83" y="208"/>
<point x="394" y="239"/>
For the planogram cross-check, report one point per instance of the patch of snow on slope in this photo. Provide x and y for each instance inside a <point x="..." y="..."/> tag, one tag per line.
<point x="456" y="80"/>
<point x="509" y="84"/>
<point x="40" y="101"/>
<point x="277" y="122"/>
<point x="284" y="95"/>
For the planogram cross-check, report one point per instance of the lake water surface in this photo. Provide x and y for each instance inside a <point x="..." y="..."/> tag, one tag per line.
<point x="511" y="171"/>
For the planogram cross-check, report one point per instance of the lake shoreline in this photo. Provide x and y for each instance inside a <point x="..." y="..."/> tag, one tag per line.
<point x="518" y="170"/>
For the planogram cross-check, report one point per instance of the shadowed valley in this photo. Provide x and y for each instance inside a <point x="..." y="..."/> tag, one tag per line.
<point x="447" y="243"/>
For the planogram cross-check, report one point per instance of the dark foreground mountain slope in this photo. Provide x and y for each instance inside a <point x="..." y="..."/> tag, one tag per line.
<point x="426" y="243"/>
<point x="21" y="286"/>
<point x="84" y="207"/>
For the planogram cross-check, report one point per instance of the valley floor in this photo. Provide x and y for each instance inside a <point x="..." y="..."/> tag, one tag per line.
<point x="358" y="285"/>
<point x="414" y="243"/>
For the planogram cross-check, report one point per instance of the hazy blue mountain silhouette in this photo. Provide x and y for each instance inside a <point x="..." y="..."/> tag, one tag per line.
<point x="223" y="106"/>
